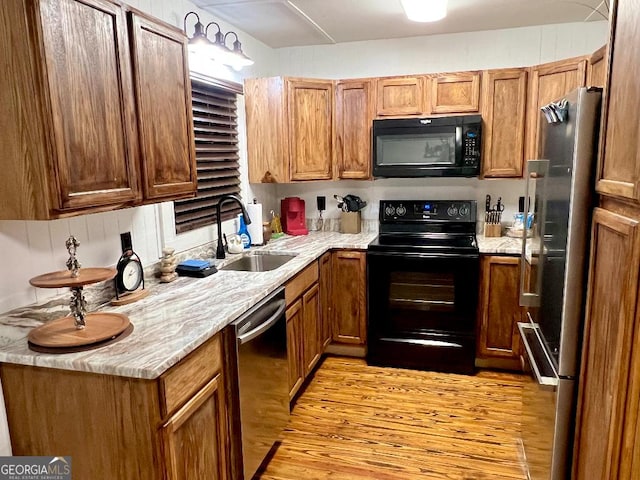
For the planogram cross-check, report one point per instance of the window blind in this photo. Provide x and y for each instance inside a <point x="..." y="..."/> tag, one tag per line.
<point x="215" y="123"/>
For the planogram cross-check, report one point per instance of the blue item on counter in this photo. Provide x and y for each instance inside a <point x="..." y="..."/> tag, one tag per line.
<point x="194" y="264"/>
<point x="244" y="233"/>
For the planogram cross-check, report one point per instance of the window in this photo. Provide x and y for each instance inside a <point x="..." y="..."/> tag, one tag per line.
<point x="215" y="123"/>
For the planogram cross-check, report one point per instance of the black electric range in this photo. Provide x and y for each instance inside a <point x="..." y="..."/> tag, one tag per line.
<point x="422" y="283"/>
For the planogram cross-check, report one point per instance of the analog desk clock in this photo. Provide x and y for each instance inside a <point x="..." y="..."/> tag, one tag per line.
<point x="129" y="279"/>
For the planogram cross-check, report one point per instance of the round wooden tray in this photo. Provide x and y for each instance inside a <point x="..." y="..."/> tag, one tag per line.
<point x="63" y="278"/>
<point x="63" y="333"/>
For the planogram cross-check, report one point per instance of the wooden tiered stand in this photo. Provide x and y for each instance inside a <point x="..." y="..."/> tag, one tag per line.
<point x="80" y="329"/>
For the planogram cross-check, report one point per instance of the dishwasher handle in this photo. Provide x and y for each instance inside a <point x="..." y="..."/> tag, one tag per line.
<point x="262" y="327"/>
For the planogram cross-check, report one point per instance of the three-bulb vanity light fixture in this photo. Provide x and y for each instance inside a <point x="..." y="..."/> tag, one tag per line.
<point x="217" y="50"/>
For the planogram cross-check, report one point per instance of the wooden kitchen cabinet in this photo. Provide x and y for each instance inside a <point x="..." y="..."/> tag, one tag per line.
<point x="549" y="82"/>
<point x="349" y="292"/>
<point x="326" y="296"/>
<point x="304" y="326"/>
<point x="163" y="99"/>
<point x="173" y="427"/>
<point x="295" y="339"/>
<point x="607" y="433"/>
<point x="454" y="93"/>
<point x="70" y="118"/>
<point x="597" y="67"/>
<point x="499" y="310"/>
<point x="400" y="96"/>
<point x="354" y="116"/>
<point x="312" y="348"/>
<point x="289" y="129"/>
<point x="619" y="167"/>
<point x="504" y="94"/>
<point x="195" y="438"/>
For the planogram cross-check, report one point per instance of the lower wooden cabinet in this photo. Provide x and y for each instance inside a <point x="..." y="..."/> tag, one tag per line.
<point x="607" y="441"/>
<point x="326" y="306"/>
<point x="174" y="427"/>
<point x="304" y="328"/>
<point x="349" y="295"/>
<point x="499" y="311"/>
<point x="195" y="438"/>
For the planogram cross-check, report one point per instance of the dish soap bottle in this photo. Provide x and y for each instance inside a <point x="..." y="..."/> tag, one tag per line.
<point x="244" y="232"/>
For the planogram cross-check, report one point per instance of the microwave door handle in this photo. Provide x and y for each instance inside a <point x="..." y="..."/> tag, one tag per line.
<point x="537" y="170"/>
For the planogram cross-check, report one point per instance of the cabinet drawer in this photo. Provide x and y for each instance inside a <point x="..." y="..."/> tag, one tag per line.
<point x="301" y="282"/>
<point x="183" y="380"/>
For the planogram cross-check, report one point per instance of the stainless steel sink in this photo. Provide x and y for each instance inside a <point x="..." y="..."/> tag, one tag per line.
<point x="259" y="262"/>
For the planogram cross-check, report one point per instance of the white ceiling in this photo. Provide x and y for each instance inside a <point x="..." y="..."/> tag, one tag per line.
<point x="286" y="23"/>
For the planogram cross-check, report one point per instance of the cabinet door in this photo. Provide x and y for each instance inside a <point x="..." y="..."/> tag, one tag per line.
<point x="92" y="106"/>
<point x="597" y="68"/>
<point x="325" y="299"/>
<point x="604" y="431"/>
<point x="310" y="126"/>
<point x="549" y="82"/>
<point x="619" y="171"/>
<point x="267" y="144"/>
<point x="163" y="98"/>
<point x="504" y="107"/>
<point x="349" y="297"/>
<point x="354" y="117"/>
<point x="499" y="307"/>
<point x="295" y="329"/>
<point x="311" y="346"/>
<point x="455" y="93"/>
<point x="195" y="438"/>
<point x="400" y="96"/>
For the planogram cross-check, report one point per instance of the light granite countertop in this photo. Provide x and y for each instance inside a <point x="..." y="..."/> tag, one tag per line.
<point x="175" y="318"/>
<point x="499" y="245"/>
<point x="178" y="317"/>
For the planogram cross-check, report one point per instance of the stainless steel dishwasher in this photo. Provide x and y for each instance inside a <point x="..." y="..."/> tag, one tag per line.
<point x="263" y="382"/>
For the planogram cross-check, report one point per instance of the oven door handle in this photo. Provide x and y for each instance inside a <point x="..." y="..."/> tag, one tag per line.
<point x="426" y="256"/>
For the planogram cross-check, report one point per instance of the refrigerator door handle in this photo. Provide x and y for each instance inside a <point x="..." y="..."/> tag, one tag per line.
<point x="533" y="251"/>
<point x="541" y="365"/>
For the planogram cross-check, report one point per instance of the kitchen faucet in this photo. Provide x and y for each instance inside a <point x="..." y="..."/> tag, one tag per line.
<point x="224" y="199"/>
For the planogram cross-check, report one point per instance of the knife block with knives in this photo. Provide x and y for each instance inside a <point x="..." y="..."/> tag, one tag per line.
<point x="493" y="217"/>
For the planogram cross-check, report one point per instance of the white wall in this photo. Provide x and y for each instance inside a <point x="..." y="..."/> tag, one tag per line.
<point x="31" y="248"/>
<point x="439" y="53"/>
<point x="514" y="47"/>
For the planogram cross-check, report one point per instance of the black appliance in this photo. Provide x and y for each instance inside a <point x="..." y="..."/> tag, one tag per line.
<point x="422" y="286"/>
<point x="427" y="147"/>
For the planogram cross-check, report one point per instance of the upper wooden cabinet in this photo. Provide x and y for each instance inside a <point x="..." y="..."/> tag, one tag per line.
<point x="597" y="67"/>
<point x="398" y="96"/>
<point x="504" y="99"/>
<point x="70" y="118"/>
<point x="454" y="93"/>
<point x="163" y="99"/>
<point x="349" y="290"/>
<point x="547" y="83"/>
<point x="354" y="116"/>
<point x="289" y="129"/>
<point x="619" y="169"/>
<point x="310" y="119"/>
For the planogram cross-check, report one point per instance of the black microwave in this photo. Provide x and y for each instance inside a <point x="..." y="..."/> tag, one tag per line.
<point x="427" y="147"/>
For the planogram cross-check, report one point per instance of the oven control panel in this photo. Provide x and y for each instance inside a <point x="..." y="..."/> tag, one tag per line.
<point x="427" y="210"/>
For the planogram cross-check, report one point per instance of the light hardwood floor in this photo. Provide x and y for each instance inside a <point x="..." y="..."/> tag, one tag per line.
<point x="358" y="422"/>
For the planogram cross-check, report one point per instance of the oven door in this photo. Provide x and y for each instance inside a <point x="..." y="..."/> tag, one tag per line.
<point x="424" y="303"/>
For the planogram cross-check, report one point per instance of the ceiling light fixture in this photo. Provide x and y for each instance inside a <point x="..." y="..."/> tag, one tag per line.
<point x="425" y="10"/>
<point x="199" y="43"/>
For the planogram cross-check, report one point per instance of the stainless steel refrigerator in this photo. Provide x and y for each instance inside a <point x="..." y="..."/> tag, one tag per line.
<point x="554" y="260"/>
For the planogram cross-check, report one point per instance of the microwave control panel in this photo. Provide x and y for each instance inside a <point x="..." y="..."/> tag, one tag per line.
<point x="471" y="146"/>
<point x="426" y="210"/>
